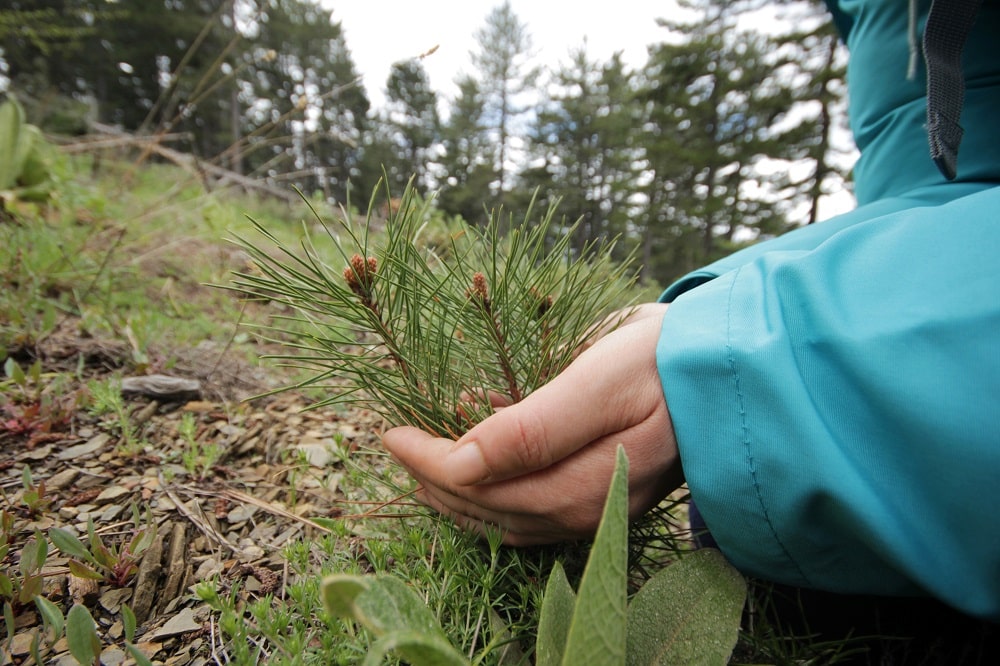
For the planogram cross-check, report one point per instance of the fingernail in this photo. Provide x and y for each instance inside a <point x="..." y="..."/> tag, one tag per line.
<point x="469" y="464"/>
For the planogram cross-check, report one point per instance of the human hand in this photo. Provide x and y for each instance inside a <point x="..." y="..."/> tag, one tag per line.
<point x="540" y="469"/>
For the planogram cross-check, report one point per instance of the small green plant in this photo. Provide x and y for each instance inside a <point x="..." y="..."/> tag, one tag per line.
<point x="38" y="404"/>
<point x="434" y="335"/>
<point x="687" y="613"/>
<point x="116" y="563"/>
<point x="198" y="458"/>
<point x="25" y="157"/>
<point x="21" y="586"/>
<point x="106" y="400"/>
<point x="33" y="496"/>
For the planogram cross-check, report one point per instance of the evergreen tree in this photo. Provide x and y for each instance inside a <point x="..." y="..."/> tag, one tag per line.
<point x="506" y="79"/>
<point x="716" y="114"/>
<point x="583" y="151"/>
<point x="466" y="165"/>
<point x="815" y="59"/>
<point x="403" y="136"/>
<point x="309" y="110"/>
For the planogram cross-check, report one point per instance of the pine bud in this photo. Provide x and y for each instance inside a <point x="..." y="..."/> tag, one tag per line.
<point x="478" y="292"/>
<point x="361" y="274"/>
<point x="543" y="303"/>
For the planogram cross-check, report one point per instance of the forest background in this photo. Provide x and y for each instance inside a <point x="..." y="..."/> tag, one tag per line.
<point x="724" y="136"/>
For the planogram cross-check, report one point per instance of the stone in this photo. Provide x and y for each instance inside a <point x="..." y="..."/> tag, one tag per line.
<point x="94" y="444"/>
<point x="181" y="623"/>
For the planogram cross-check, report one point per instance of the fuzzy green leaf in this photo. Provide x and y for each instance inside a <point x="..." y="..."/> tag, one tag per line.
<point x="29" y="556"/>
<point x="393" y="612"/>
<point x="11" y="149"/>
<point x="340" y="591"/>
<point x="81" y="635"/>
<point x="68" y="543"/>
<point x="597" y="634"/>
<point x="8" y="619"/>
<point x="52" y="615"/>
<point x="688" y="613"/>
<point x="13" y="371"/>
<point x="417" y="648"/>
<point x="555" y="617"/>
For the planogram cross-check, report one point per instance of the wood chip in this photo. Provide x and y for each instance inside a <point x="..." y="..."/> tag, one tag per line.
<point x="83" y="591"/>
<point x="145" y="580"/>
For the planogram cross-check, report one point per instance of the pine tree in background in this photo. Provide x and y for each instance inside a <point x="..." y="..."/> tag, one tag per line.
<point x="311" y="112"/>
<point x="717" y="116"/>
<point x="466" y="167"/>
<point x="582" y="148"/>
<point x="404" y="132"/>
<point x="506" y="80"/>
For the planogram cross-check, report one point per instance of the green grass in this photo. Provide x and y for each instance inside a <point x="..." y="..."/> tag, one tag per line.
<point x="127" y="254"/>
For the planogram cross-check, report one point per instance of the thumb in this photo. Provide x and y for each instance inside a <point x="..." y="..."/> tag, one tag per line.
<point x="609" y="388"/>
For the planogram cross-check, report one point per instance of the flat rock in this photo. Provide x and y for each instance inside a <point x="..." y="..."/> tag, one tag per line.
<point x="162" y="387"/>
<point x="94" y="444"/>
<point x="181" y="623"/>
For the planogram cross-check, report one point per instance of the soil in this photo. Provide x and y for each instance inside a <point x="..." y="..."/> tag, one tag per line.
<point x="229" y="519"/>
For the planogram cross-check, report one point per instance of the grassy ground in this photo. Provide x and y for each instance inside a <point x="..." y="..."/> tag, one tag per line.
<point x="221" y="511"/>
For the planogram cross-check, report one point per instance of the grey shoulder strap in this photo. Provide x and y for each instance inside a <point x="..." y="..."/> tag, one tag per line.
<point x="948" y="25"/>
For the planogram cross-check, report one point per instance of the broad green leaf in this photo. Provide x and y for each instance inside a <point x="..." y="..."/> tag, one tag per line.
<point x="81" y="635"/>
<point x="52" y="615"/>
<point x="339" y="592"/>
<point x="35" y="371"/>
<point x="11" y="122"/>
<point x="689" y="613"/>
<point x="389" y="604"/>
<point x="597" y="634"/>
<point x="30" y="586"/>
<point x="8" y="619"/>
<point x="128" y="623"/>
<point x="12" y="371"/>
<point x="28" y="555"/>
<point x="391" y="610"/>
<point x="6" y="587"/>
<point x="417" y="648"/>
<point x="555" y="617"/>
<point x="67" y="542"/>
<point x="81" y="570"/>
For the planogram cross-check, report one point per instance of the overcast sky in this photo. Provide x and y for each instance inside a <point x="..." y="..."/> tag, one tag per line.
<point x="381" y="32"/>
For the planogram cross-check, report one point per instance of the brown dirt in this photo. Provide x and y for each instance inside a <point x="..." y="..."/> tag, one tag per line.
<point x="229" y="520"/>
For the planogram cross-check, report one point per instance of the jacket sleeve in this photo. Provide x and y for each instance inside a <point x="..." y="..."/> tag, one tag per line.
<point x="836" y="402"/>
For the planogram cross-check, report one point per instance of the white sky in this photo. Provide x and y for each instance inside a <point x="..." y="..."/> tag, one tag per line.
<point x="381" y="32"/>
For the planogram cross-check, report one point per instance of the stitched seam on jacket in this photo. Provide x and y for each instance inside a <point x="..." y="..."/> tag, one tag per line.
<point x="745" y="429"/>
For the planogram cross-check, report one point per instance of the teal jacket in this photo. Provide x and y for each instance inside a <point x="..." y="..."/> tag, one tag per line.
<point x="835" y="392"/>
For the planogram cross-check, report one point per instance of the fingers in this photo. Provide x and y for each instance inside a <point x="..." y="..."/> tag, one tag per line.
<point x="609" y="388"/>
<point x="538" y="470"/>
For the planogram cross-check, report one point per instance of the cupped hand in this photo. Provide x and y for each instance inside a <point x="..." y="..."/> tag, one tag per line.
<point x="540" y="469"/>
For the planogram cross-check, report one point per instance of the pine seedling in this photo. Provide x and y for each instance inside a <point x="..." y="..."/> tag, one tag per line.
<point x="429" y="329"/>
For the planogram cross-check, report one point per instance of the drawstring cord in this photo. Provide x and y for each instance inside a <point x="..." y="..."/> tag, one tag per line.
<point x="913" y="40"/>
